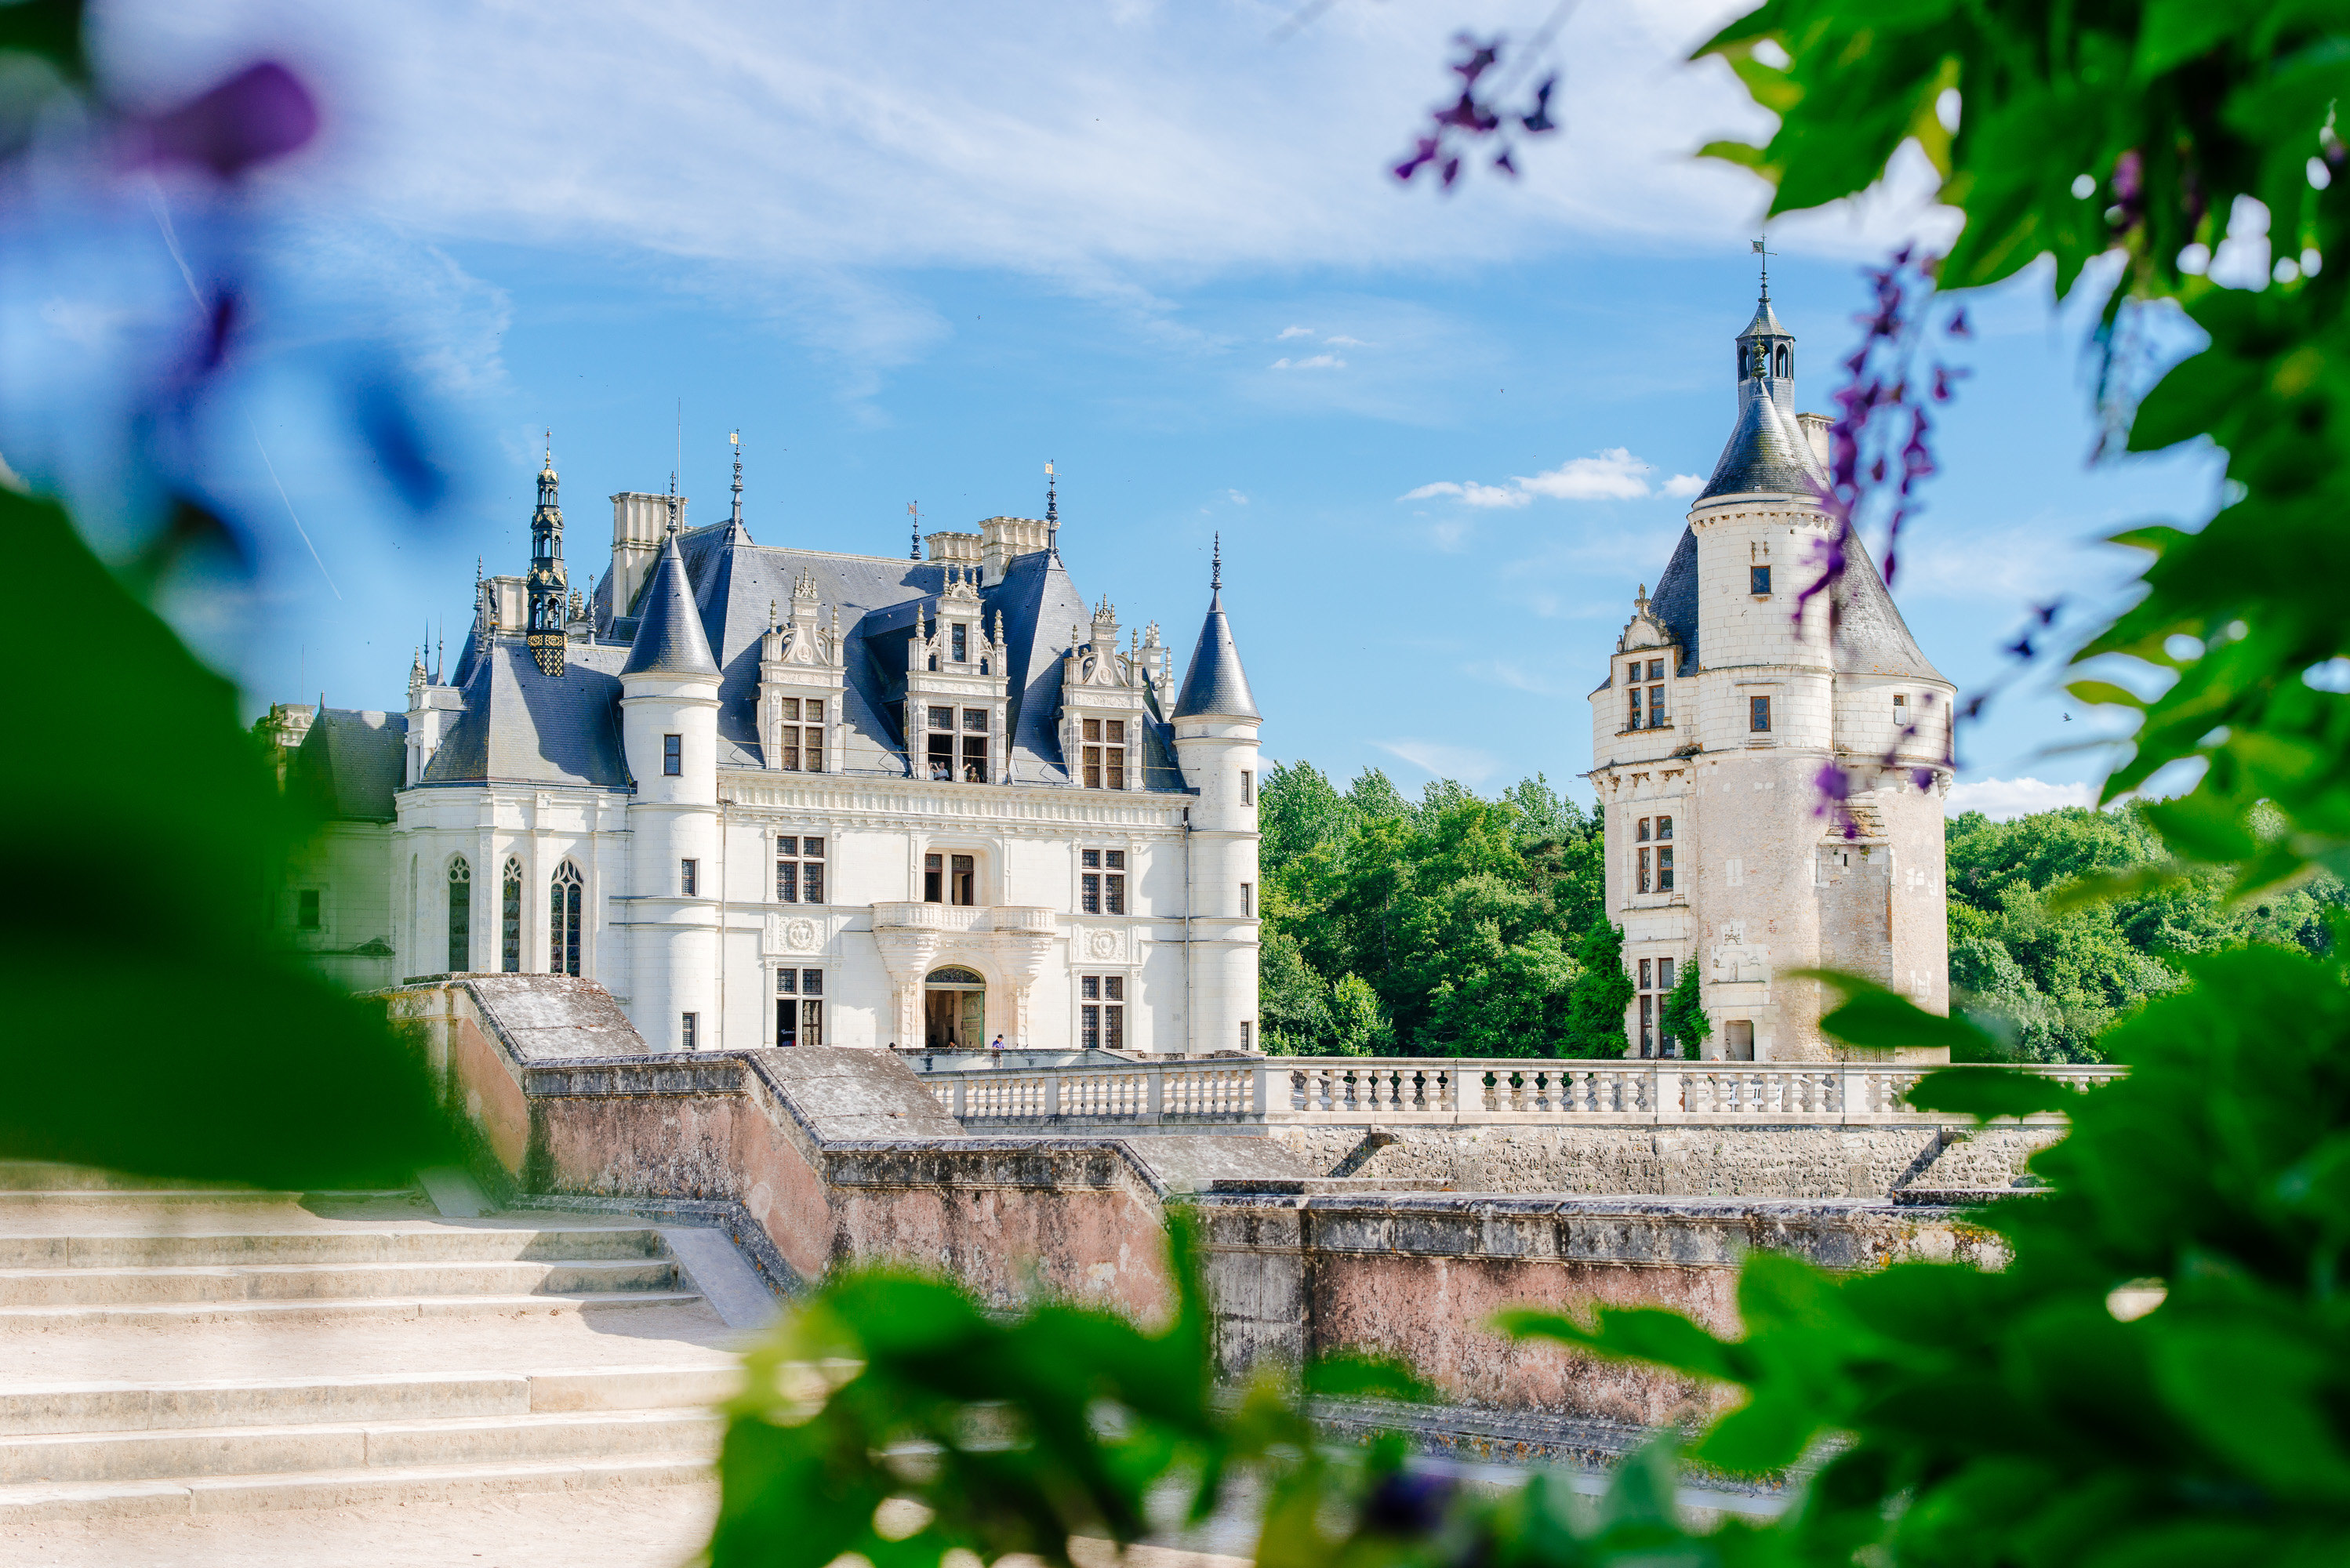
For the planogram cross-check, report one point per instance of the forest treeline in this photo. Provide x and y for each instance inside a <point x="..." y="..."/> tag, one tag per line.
<point x="1457" y="925"/>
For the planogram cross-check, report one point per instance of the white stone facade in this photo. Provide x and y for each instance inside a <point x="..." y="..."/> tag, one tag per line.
<point x="1016" y="898"/>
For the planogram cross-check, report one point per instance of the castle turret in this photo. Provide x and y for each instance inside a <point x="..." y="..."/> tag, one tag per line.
<point x="1215" y="722"/>
<point x="669" y="731"/>
<point x="1731" y="696"/>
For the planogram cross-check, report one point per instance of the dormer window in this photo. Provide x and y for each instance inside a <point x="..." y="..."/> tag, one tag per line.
<point x="1654" y="703"/>
<point x="959" y="641"/>
<point x="1105" y="753"/>
<point x="799" y="750"/>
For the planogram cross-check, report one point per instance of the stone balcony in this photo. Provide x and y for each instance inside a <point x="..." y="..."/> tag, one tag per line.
<point x="1031" y="919"/>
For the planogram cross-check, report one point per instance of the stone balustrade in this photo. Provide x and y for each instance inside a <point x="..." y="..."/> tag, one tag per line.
<point x="1036" y="918"/>
<point x="1355" y="1090"/>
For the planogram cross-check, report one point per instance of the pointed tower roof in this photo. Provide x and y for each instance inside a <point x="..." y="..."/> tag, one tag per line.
<point x="1767" y="451"/>
<point x="669" y="639"/>
<point x="1216" y="683"/>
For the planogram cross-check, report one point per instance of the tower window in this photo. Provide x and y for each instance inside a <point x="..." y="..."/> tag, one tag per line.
<point x="1101" y="881"/>
<point x="461" y="916"/>
<point x="1758" y="579"/>
<point x="689" y="1029"/>
<point x="689" y="878"/>
<point x="1783" y="363"/>
<point x="306" y="909"/>
<point x="1248" y="787"/>
<point x="799" y="869"/>
<point x="1655" y="982"/>
<point x="1632" y="718"/>
<point x="1105" y="753"/>
<point x="1901" y="707"/>
<point x="673" y="756"/>
<point x="799" y="750"/>
<point x="1641" y="885"/>
<point x="1758" y="715"/>
<point x="1248" y="901"/>
<point x="1101" y="1012"/>
<point x="510" y="920"/>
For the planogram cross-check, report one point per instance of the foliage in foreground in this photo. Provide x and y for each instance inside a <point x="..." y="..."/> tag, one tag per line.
<point x="156" y="1022"/>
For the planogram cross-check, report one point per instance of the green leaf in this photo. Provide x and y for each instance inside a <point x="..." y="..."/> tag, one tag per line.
<point x="1877" y="1018"/>
<point x="1987" y="1093"/>
<point x="1354" y="1376"/>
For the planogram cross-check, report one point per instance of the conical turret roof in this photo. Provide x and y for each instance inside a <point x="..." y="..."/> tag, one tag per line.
<point x="1216" y="683"/>
<point x="669" y="639"/>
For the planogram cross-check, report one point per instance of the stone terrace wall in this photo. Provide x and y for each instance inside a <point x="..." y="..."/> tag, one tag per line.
<point x="1762" y="1161"/>
<point x="1419" y="1276"/>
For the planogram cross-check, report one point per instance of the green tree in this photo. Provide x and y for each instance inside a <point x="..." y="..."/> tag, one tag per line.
<point x="1682" y="1017"/>
<point x="1596" y="1020"/>
<point x="1358" y="1024"/>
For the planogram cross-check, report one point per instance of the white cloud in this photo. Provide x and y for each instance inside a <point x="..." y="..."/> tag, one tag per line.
<point x="1343" y="342"/>
<point x="1615" y="475"/>
<point x="1287" y="333"/>
<point x="1540" y="679"/>
<point x="2004" y="799"/>
<point x="1466" y="763"/>
<point x="1319" y="362"/>
<point x="1151" y="142"/>
<point x="1681" y="486"/>
<point x="1236" y="497"/>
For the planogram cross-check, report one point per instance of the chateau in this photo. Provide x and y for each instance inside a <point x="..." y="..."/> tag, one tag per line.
<point x="1727" y="699"/>
<point x="775" y="796"/>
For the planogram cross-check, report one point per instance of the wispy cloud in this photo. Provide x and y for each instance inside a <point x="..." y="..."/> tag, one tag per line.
<point x="1343" y="342"/>
<point x="1540" y="680"/>
<point x="1613" y="474"/>
<point x="2005" y="799"/>
<point x="1681" y="486"/>
<point x="1319" y="362"/>
<point x="1466" y="763"/>
<point x="1287" y="333"/>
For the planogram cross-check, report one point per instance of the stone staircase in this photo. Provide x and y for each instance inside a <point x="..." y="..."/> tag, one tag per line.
<point x="186" y="1351"/>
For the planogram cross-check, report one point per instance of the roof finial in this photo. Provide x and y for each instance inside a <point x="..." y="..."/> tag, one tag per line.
<point x="672" y="501"/>
<point x="1052" y="511"/>
<point x="1216" y="566"/>
<point x="1762" y="250"/>
<point x="914" y="529"/>
<point x="736" y="437"/>
<point x="550" y="446"/>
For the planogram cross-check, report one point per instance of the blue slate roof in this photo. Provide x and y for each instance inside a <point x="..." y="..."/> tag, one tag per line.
<point x="1216" y="683"/>
<point x="350" y="763"/>
<point x="669" y="639"/>
<point x="717" y="602"/>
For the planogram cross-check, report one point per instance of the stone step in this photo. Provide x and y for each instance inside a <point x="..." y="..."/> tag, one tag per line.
<point x="207" y="1248"/>
<point x="303" y="1282"/>
<point x="191" y="1452"/>
<point x="362" y="1310"/>
<point x="85" y="1409"/>
<point x="34" y="1501"/>
<point x="39" y="1176"/>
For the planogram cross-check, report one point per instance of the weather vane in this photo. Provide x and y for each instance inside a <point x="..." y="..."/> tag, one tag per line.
<point x="914" y="527"/>
<point x="1766" y="253"/>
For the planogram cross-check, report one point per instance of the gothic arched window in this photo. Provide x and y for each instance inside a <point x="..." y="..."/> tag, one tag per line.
<point x="461" y="916"/>
<point x="563" y="896"/>
<point x="510" y="920"/>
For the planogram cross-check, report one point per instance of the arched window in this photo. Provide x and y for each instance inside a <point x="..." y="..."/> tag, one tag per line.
<point x="461" y="916"/>
<point x="563" y="897"/>
<point x="510" y="920"/>
<point x="1784" y="362"/>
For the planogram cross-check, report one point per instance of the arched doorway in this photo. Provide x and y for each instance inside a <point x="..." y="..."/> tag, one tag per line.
<point x="954" y="1009"/>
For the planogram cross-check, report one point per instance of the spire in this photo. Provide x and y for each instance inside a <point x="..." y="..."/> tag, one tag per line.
<point x="914" y="531"/>
<point x="736" y="437"/>
<point x="547" y="580"/>
<point x="1216" y="566"/>
<point x="669" y="639"/>
<point x="1051" y="512"/>
<point x="1216" y="685"/>
<point x="1767" y="451"/>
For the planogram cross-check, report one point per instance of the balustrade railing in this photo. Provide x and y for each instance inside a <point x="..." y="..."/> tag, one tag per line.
<point x="1350" y="1089"/>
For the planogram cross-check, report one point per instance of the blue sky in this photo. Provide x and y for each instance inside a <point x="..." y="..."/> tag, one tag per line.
<point x="912" y="253"/>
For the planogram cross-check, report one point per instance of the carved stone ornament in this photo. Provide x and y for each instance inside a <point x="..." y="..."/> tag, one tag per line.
<point x="792" y="934"/>
<point x="800" y="936"/>
<point x="1103" y="944"/>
